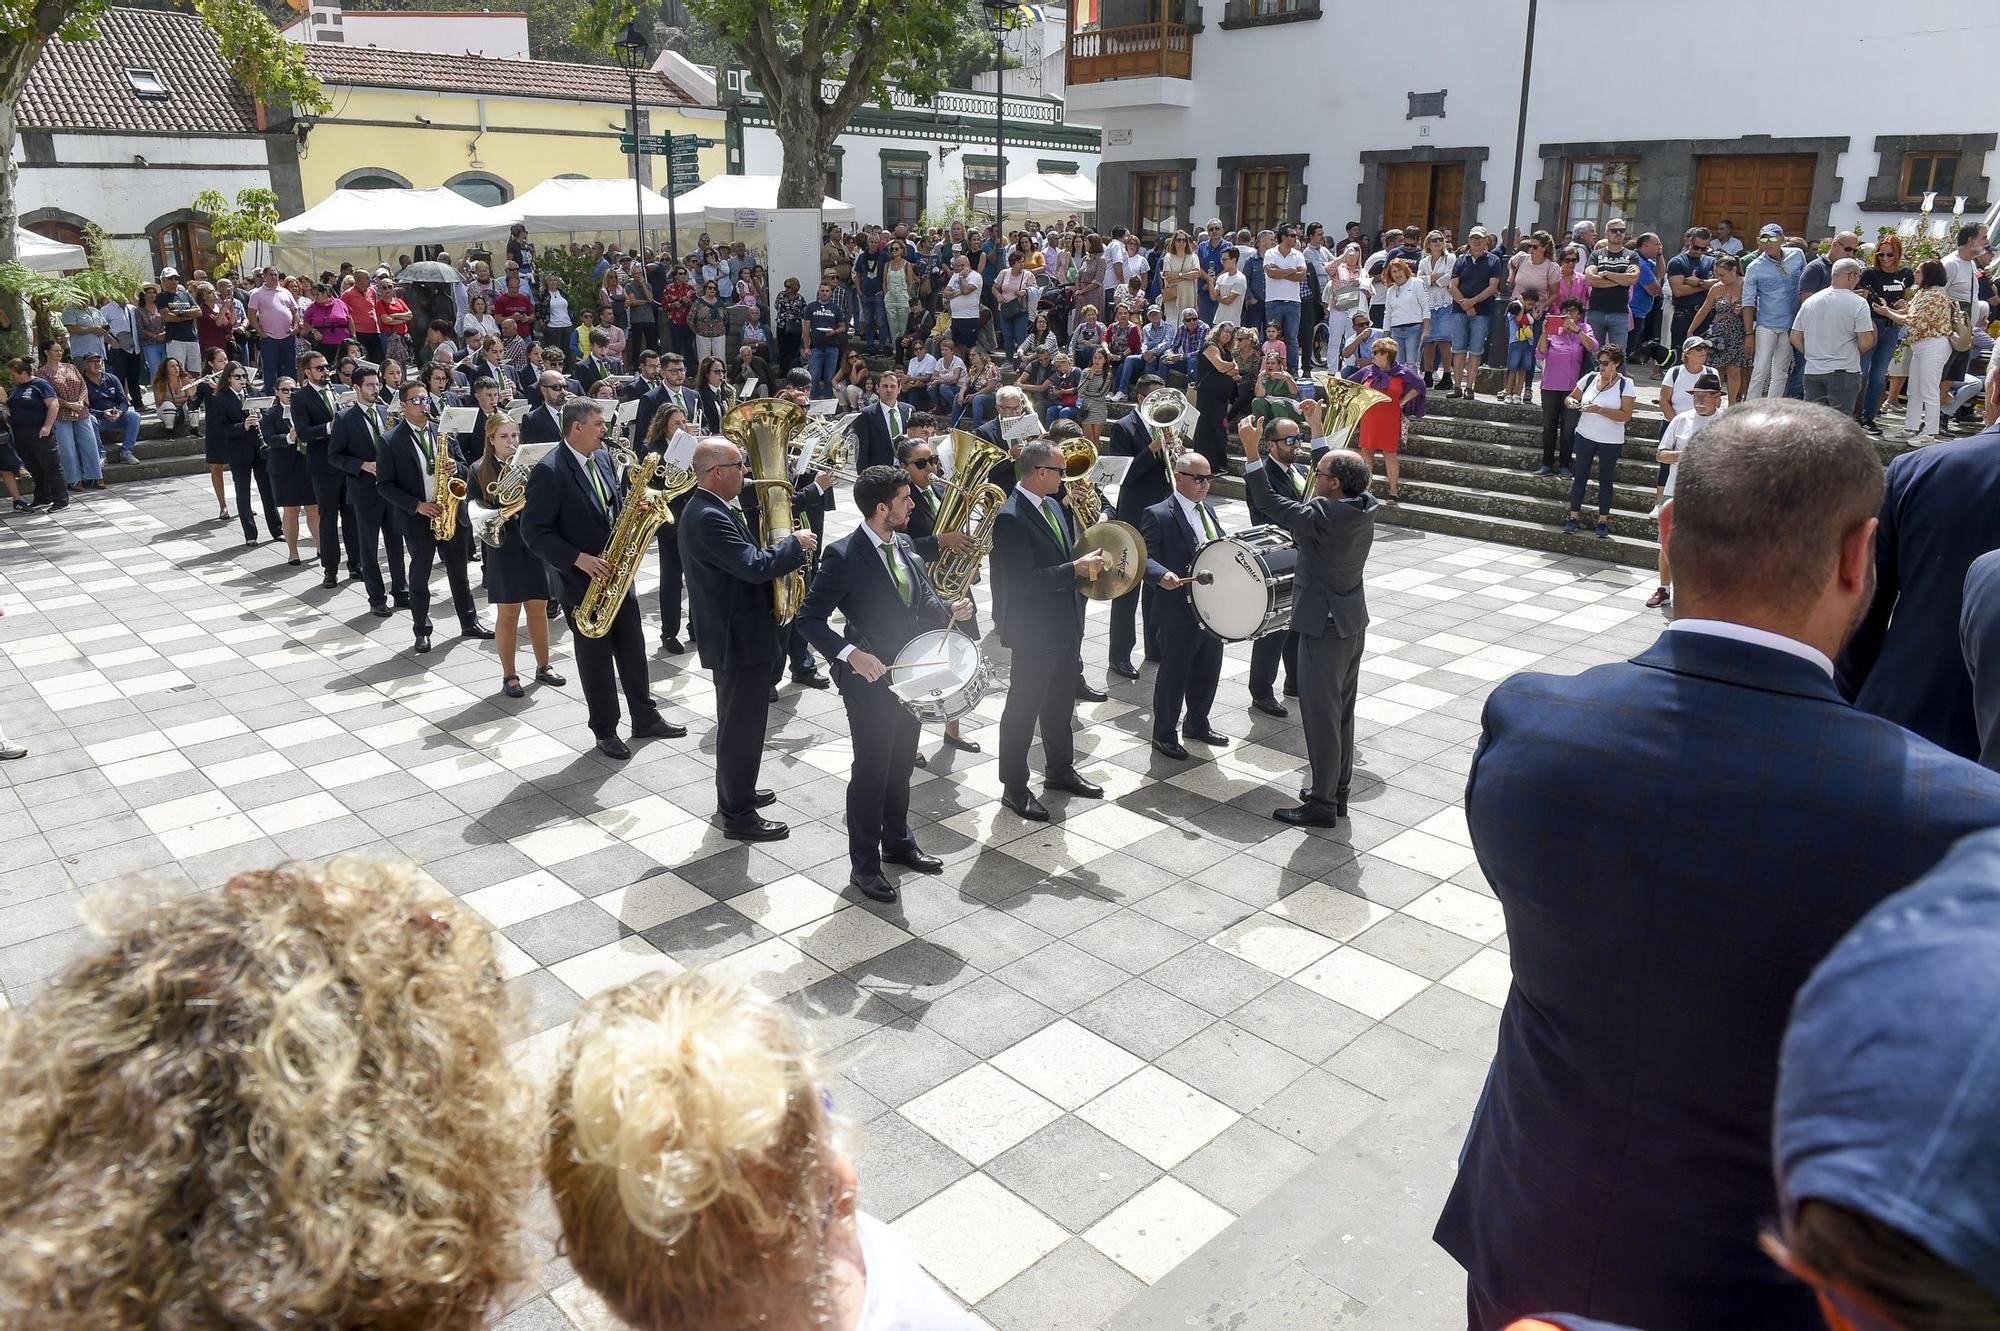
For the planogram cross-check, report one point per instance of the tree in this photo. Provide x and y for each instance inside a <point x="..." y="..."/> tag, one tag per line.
<point x="792" y="47"/>
<point x="272" y="69"/>
<point x="252" y="218"/>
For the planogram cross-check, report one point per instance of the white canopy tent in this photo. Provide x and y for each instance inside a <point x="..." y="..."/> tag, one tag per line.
<point x="587" y="207"/>
<point x="1048" y="194"/>
<point x="47" y="256"/>
<point x="378" y="220"/>
<point x="741" y="201"/>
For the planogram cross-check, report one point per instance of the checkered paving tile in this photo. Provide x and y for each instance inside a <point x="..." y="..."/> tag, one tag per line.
<point x="1080" y="1054"/>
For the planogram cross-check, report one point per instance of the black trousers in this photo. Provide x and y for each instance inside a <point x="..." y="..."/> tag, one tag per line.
<point x="1265" y="654"/>
<point x="260" y="471"/>
<point x="338" y="528"/>
<point x="1558" y="431"/>
<point x="1041" y="691"/>
<point x="671" y="582"/>
<point x="369" y="520"/>
<point x="878" y="785"/>
<point x="1328" y="688"/>
<point x="1312" y="313"/>
<point x="618" y="659"/>
<point x="742" y="705"/>
<point x="423" y="552"/>
<point x="1189" y="672"/>
<point x="1125" y="629"/>
<point x="38" y="455"/>
<point x="374" y="345"/>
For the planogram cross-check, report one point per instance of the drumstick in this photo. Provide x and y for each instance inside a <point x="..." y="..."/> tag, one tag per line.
<point x="919" y="665"/>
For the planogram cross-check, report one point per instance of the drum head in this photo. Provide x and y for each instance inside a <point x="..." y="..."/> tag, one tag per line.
<point x="956" y="659"/>
<point x="1234" y="605"/>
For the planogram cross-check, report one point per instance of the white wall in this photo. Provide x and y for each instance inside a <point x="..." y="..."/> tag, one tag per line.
<point x="861" y="166"/>
<point x="99" y="182"/>
<point x="498" y="36"/>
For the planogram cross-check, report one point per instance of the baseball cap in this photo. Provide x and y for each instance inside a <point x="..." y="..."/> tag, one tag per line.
<point x="1894" y="1116"/>
<point x="1691" y="343"/>
<point x="170" y="272"/>
<point x="1770" y="231"/>
<point x="383" y="271"/>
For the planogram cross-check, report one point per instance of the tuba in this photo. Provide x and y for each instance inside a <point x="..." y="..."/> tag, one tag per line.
<point x="1170" y="418"/>
<point x="1346" y="403"/>
<point x="448" y="491"/>
<point x="970" y="505"/>
<point x="640" y="518"/>
<point x="763" y="429"/>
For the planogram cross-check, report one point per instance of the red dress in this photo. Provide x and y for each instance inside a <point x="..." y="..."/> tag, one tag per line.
<point x="1381" y="428"/>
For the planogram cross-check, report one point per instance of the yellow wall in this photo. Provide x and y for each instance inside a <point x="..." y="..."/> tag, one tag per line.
<point x="526" y="141"/>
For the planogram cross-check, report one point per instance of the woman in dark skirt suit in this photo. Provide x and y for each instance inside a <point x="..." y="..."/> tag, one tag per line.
<point x="287" y="464"/>
<point x="515" y="579"/>
<point x="231" y="435"/>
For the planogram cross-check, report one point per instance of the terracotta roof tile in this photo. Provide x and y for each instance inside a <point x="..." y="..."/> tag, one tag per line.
<point x="368" y="66"/>
<point x="82" y="85"/>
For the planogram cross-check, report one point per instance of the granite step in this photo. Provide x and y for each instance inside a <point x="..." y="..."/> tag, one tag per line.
<point x="1500" y="530"/>
<point x="1635" y="462"/>
<point x="1545" y="510"/>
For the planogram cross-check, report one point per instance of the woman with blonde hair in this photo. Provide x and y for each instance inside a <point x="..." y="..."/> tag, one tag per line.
<point x="1179" y="267"/>
<point x="285" y="1103"/>
<point x="696" y="1170"/>
<point x="517" y="583"/>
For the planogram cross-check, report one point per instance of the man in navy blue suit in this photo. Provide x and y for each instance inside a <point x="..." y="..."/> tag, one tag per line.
<point x="729" y="589"/>
<point x="406" y="478"/>
<point x="1190" y="659"/>
<point x="313" y="418"/>
<point x="876" y="428"/>
<point x="1287" y="468"/>
<point x="874" y="578"/>
<point x="1677" y="840"/>
<point x="352" y="447"/>
<point x="1941" y="511"/>
<point x="1146" y="483"/>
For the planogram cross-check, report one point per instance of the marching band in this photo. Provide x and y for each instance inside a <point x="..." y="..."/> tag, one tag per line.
<point x="559" y="502"/>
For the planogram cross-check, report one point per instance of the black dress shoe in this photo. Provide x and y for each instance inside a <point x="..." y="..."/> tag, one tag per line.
<point x="1291" y="689"/>
<point x="353" y="573"/>
<point x="873" y="886"/>
<point x="401" y="600"/>
<point x="1340" y="803"/>
<point x="1213" y="738"/>
<point x="1270" y="707"/>
<point x="1073" y="782"/>
<point x="1307" y="815"/>
<point x="762" y="798"/>
<point x="613" y="747"/>
<point x="921" y="761"/>
<point x="380" y="611"/>
<point x="472" y="628"/>
<point x="756" y="829"/>
<point x="961" y="742"/>
<point x="511" y="686"/>
<point x="659" y="728"/>
<point x="1171" y="748"/>
<point x="547" y="675"/>
<point x="330" y="581"/>
<point x="1024" y="803"/>
<point x="913" y="857"/>
<point x="1090" y="693"/>
<point x="811" y="679"/>
<point x="423" y="643"/>
<point x="673" y="647"/>
<point x="1124" y="670"/>
<point x="774" y="693"/>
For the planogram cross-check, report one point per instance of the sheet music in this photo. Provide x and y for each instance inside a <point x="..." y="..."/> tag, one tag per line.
<point x="517" y="409"/>
<point x="1110" y="469"/>
<point x="530" y="454"/>
<point x="680" y="450"/>
<point x="342" y="397"/>
<point x="1021" y="427"/>
<point x="822" y="406"/>
<point x="458" y="420"/>
<point x="627" y="412"/>
<point x="749" y="390"/>
<point x="256" y="404"/>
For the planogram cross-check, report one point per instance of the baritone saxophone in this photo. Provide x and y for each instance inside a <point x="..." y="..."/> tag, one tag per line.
<point x="640" y="518"/>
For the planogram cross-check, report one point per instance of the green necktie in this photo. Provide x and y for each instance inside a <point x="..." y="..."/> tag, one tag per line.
<point x="1292" y="477"/>
<point x="423" y="438"/>
<point x="1208" y="523"/>
<point x="896" y="574"/>
<point x="1055" y="522"/>
<point x="742" y="518"/>
<point x="930" y="503"/>
<point x="895" y="422"/>
<point x="597" y="484"/>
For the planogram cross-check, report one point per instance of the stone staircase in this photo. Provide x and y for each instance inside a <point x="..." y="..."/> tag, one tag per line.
<point x="160" y="455"/>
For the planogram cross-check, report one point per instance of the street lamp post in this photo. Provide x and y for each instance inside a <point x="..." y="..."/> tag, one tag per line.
<point x="999" y="15"/>
<point x="634" y="53"/>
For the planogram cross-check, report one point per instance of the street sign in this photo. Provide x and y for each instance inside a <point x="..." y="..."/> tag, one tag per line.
<point x="653" y="145"/>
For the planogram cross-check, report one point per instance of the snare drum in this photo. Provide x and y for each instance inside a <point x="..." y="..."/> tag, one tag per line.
<point x="939" y="676"/>
<point x="1250" y="592"/>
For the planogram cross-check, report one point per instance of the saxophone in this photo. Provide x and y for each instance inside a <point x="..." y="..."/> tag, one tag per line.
<point x="449" y="491"/>
<point x="763" y="429"/>
<point x="970" y="505"/>
<point x="640" y="518"/>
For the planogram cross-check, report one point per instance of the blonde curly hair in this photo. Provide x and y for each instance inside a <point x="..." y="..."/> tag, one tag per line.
<point x="691" y="1154"/>
<point x="283" y="1104"/>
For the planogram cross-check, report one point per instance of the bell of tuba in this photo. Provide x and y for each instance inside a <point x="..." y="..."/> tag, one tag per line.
<point x="763" y="429"/>
<point x="640" y="518"/>
<point x="1079" y="456"/>
<point x="1170" y="417"/>
<point x="970" y="505"/>
<point x="1346" y="403"/>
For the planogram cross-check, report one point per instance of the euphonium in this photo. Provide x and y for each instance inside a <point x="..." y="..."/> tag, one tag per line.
<point x="1346" y="403"/>
<point x="1170" y="418"/>
<point x="509" y="493"/>
<point x="763" y="429"/>
<point x="448" y="491"/>
<point x="970" y="505"/>
<point x="640" y="518"/>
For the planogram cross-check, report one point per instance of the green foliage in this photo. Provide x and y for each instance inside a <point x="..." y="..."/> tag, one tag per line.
<point x="271" y="68"/>
<point x="573" y="267"/>
<point x="113" y="266"/>
<point x="955" y="208"/>
<point x="253" y="217"/>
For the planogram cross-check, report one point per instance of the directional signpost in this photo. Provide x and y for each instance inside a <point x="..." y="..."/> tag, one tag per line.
<point x="683" y="154"/>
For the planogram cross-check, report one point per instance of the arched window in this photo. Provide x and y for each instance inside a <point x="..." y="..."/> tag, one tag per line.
<point x="486" y="190"/>
<point x="372" y="177"/>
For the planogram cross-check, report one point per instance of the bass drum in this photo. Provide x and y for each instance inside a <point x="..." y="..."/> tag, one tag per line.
<point x="1243" y="584"/>
<point x="939" y="676"/>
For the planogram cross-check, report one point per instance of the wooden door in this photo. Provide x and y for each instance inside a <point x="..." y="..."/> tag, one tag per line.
<point x="1423" y="196"/>
<point x="1753" y="189"/>
<point x="1447" y="195"/>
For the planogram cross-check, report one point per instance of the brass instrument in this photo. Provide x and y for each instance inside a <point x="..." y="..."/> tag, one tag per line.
<point x="508" y="493"/>
<point x="1079" y="456"/>
<point x="448" y="492"/>
<point x="970" y="505"/>
<point x="826" y="443"/>
<point x="763" y="429"/>
<point x="1345" y="403"/>
<point x="1170" y="418"/>
<point x="640" y="518"/>
<point x="1124" y="549"/>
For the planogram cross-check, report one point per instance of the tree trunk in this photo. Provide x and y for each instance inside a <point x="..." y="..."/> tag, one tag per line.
<point x="8" y="214"/>
<point x="18" y="54"/>
<point x="802" y="124"/>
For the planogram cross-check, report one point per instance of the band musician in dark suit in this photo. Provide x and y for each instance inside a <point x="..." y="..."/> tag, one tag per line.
<point x="1287" y="467"/>
<point x="486" y="398"/>
<point x="1146" y="483"/>
<point x="543" y="423"/>
<point x="729" y="584"/>
<point x="1334" y="531"/>
<point x="812" y="500"/>
<point x="671" y="391"/>
<point x="1041" y="622"/>
<point x="919" y="458"/>
<point x="352" y="448"/>
<point x="312" y="421"/>
<point x="574" y="498"/>
<point x="1190" y="658"/>
<point x="875" y="580"/>
<point x="406" y="478"/>
<point x="876" y="428"/>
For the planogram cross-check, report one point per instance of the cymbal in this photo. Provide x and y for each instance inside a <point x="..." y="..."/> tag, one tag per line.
<point x="1124" y="552"/>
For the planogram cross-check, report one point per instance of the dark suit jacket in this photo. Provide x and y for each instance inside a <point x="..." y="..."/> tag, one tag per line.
<point x="400" y="469"/>
<point x="729" y="579"/>
<point x="1940" y="511"/>
<point x="922" y="530"/>
<point x="1741" y="818"/>
<point x="589" y="370"/>
<point x="1146" y="483"/>
<point x="353" y="443"/>
<point x="1979" y="636"/>
<point x="1334" y="537"/>
<point x="1034" y="578"/>
<point x="563" y="519"/>
<point x="1260" y="514"/>
<point x="472" y="443"/>
<point x="874" y="441"/>
<point x="853" y="580"/>
<point x="228" y="430"/>
<point x="659" y="396"/>
<point x="541" y="425"/>
<point x="1170" y="547"/>
<point x="312" y="420"/>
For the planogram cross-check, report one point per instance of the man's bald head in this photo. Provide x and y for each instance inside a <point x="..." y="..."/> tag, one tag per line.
<point x="718" y="466"/>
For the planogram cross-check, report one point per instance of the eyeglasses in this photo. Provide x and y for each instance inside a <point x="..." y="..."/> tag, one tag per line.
<point x="925" y="463"/>
<point x="1606" y="362"/>
<point x="1193" y="479"/>
<point x="729" y="466"/>
<point x="1049" y="469"/>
